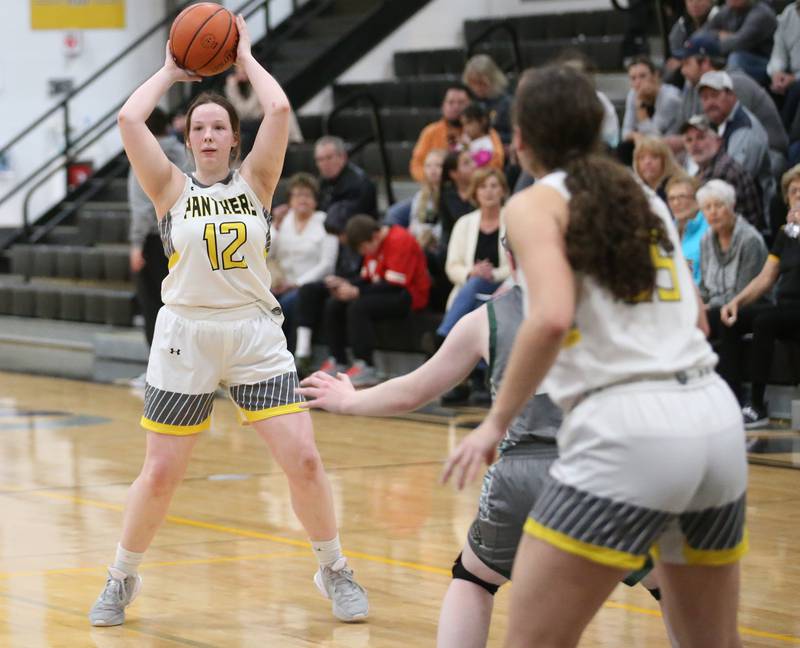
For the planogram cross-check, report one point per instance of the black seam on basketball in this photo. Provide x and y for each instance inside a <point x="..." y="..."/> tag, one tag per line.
<point x="172" y="31"/>
<point x="197" y="31"/>
<point x="219" y="49"/>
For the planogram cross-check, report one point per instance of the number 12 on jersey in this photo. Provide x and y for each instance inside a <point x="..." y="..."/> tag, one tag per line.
<point x="225" y="260"/>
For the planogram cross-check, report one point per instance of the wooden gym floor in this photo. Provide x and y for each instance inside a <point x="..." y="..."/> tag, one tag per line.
<point x="231" y="567"/>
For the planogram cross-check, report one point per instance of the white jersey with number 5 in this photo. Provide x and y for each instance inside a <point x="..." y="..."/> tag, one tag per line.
<point x="614" y="341"/>
<point x="216" y="239"/>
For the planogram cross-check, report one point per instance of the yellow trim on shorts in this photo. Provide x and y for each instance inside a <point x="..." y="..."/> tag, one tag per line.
<point x="717" y="557"/>
<point x="572" y="338"/>
<point x="602" y="555"/>
<point x="175" y="430"/>
<point x="173" y="259"/>
<point x="774" y="257"/>
<point x="261" y="415"/>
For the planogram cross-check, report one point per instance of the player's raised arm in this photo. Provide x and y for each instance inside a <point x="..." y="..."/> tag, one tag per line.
<point x="160" y="179"/>
<point x="262" y="167"/>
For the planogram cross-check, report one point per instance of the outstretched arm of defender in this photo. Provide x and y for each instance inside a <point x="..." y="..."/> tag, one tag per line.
<point x="465" y="345"/>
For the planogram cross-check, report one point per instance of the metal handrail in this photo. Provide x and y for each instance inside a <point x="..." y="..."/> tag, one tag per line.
<point x="377" y="135"/>
<point x="504" y="25"/>
<point x="71" y="145"/>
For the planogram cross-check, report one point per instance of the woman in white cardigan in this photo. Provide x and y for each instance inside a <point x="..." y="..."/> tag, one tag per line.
<point x="302" y="249"/>
<point x="476" y="263"/>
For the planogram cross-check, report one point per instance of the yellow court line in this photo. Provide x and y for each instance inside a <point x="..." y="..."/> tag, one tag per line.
<point x="744" y="630"/>
<point x="369" y="557"/>
<point x="151" y="565"/>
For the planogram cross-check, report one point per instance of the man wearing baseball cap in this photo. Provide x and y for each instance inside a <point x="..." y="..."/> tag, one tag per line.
<point x="743" y="136"/>
<point x="704" y="146"/>
<point x="701" y="54"/>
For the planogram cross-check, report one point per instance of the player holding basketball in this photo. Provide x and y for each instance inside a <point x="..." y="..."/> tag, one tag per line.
<point x="651" y="452"/>
<point x="219" y="323"/>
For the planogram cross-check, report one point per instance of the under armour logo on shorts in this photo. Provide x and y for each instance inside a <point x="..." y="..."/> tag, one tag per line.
<point x="175" y="351"/>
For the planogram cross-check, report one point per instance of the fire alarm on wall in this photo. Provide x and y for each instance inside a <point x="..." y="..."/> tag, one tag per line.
<point x="73" y="43"/>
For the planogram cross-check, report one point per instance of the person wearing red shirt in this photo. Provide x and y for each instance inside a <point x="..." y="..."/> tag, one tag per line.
<point x="394" y="281"/>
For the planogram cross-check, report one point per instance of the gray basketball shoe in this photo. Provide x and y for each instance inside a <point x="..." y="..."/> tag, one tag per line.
<point x="120" y="590"/>
<point x="336" y="582"/>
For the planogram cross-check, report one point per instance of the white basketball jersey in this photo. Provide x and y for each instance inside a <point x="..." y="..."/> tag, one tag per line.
<point x="217" y="239"/>
<point x="613" y="341"/>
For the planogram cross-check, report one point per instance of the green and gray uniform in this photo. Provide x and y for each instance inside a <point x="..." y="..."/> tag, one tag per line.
<point x="512" y="484"/>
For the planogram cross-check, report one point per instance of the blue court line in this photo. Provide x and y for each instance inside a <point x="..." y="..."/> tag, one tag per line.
<point x="55" y="423"/>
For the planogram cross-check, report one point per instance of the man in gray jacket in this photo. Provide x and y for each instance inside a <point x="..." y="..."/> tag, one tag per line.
<point x="784" y="66"/>
<point x="744" y="29"/>
<point x="744" y="138"/>
<point x="147" y="260"/>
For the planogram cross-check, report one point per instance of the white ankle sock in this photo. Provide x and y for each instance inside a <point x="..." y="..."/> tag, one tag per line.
<point x="127" y="561"/>
<point x="302" y="347"/>
<point x="327" y="551"/>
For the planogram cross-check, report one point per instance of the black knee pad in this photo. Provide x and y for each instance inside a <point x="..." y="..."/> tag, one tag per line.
<point x="655" y="593"/>
<point x="459" y="571"/>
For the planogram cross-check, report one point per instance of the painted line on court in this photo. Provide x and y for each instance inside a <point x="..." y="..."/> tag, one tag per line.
<point x="150" y="565"/>
<point x="744" y="630"/>
<point x="245" y="533"/>
<point x="129" y="628"/>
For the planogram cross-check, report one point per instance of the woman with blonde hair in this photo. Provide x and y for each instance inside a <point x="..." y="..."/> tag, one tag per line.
<point x="489" y="86"/>
<point x="654" y="163"/>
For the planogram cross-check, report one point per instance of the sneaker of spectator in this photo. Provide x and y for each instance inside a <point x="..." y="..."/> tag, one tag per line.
<point x="329" y="366"/>
<point x="362" y="375"/>
<point x="754" y="417"/>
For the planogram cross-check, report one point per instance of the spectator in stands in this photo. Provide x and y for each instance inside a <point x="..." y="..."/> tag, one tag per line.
<point x="394" y="281"/>
<point x="455" y="196"/>
<point x="651" y="107"/>
<point x="303" y="249"/>
<point x="692" y="225"/>
<point x="696" y="14"/>
<point x="445" y="133"/>
<point x="489" y="86"/>
<point x="654" y="163"/>
<point x="424" y="204"/>
<point x="177" y="125"/>
<point x="577" y="60"/>
<point x="743" y="136"/>
<point x="749" y="312"/>
<point x="424" y="222"/>
<point x="240" y="93"/>
<point x="701" y="54"/>
<point x="784" y="67"/>
<point x="477" y="138"/>
<point x="476" y="264"/>
<point x="704" y="147"/>
<point x="744" y="29"/>
<point x="731" y="252"/>
<point x="345" y="189"/>
<point x="147" y="259"/>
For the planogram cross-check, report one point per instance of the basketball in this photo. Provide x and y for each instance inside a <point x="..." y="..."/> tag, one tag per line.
<point x="203" y="39"/>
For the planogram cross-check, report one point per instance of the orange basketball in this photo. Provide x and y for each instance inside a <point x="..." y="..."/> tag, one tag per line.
<point x="203" y="39"/>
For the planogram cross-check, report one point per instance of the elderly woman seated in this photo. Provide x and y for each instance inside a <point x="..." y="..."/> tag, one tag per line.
<point x="731" y="251"/>
<point x="654" y="163"/>
<point x="691" y="223"/>
<point x="766" y="321"/>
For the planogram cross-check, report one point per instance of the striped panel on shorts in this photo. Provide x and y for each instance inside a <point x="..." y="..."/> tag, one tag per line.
<point x="170" y="412"/>
<point x="715" y="536"/>
<point x="611" y="533"/>
<point x="269" y="398"/>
